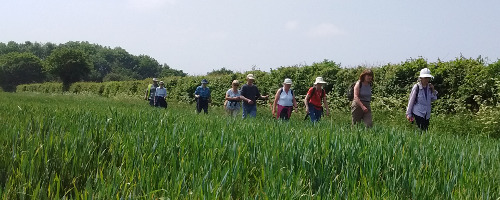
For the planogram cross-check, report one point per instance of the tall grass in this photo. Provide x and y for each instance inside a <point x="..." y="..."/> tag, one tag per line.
<point x="55" y="146"/>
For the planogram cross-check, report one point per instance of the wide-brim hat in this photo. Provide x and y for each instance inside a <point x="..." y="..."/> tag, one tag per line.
<point x="155" y="79"/>
<point x="287" y="81"/>
<point x="319" y="80"/>
<point x="425" y="73"/>
<point x="250" y="77"/>
<point x="204" y="81"/>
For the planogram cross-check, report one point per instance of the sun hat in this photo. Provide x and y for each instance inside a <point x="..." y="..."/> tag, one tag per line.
<point x="155" y="79"/>
<point x="287" y="81"/>
<point x="425" y="72"/>
<point x="319" y="80"/>
<point x="250" y="76"/>
<point x="204" y="81"/>
<point x="161" y="83"/>
<point x="235" y="82"/>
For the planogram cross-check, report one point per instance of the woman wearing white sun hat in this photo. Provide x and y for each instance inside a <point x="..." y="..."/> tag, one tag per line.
<point x="284" y="100"/>
<point x="419" y="103"/>
<point x="315" y="99"/>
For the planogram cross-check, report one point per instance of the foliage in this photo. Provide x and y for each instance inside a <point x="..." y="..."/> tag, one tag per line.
<point x="19" y="68"/>
<point x="71" y="65"/>
<point x="75" y="146"/>
<point x="221" y="71"/>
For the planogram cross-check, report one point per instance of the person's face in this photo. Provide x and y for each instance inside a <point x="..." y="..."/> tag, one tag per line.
<point x="425" y="80"/>
<point x="250" y="81"/>
<point x="368" y="78"/>
<point x="287" y="86"/>
<point x="204" y="85"/>
<point x="319" y="85"/>
<point x="161" y="85"/>
<point x="155" y="82"/>
<point x="235" y="85"/>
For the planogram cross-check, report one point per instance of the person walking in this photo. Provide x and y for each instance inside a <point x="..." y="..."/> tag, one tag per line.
<point x="203" y="97"/>
<point x="150" y="92"/>
<point x="421" y="96"/>
<point x="233" y="99"/>
<point x="160" y="95"/>
<point x="251" y="93"/>
<point x="285" y="101"/>
<point x="315" y="99"/>
<point x="360" y="106"/>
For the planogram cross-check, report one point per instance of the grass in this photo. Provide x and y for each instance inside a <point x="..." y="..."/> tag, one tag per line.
<point x="82" y="147"/>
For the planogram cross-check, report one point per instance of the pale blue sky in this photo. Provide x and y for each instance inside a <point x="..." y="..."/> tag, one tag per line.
<point x="199" y="36"/>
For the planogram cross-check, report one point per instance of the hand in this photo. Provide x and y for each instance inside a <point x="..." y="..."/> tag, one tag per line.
<point x="274" y="113"/>
<point x="409" y="118"/>
<point x="307" y="110"/>
<point x="249" y="101"/>
<point x="432" y="87"/>
<point x="365" y="109"/>
<point x="265" y="97"/>
<point x="327" y="113"/>
<point x="196" y="96"/>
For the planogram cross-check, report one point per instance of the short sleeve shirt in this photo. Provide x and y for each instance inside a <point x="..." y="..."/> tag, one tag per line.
<point x="315" y="99"/>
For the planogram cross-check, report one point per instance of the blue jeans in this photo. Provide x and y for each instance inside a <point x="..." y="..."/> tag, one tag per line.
<point x="250" y="110"/>
<point x="314" y="113"/>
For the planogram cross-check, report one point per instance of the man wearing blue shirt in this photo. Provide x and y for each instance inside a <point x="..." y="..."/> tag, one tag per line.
<point x="203" y="97"/>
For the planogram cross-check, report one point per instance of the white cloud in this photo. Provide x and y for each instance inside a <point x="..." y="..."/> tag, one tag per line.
<point x="149" y="4"/>
<point x="325" y="30"/>
<point x="292" y="25"/>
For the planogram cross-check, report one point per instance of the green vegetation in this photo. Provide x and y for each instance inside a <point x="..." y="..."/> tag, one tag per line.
<point x="86" y="146"/>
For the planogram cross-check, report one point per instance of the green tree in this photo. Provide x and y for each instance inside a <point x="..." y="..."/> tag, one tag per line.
<point x="70" y="65"/>
<point x="19" y="68"/>
<point x="147" y="67"/>
<point x="166" y="71"/>
<point x="221" y="71"/>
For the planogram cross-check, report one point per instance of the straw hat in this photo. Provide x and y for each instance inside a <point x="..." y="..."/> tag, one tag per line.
<point x="235" y="82"/>
<point x="155" y="79"/>
<point x="319" y="80"/>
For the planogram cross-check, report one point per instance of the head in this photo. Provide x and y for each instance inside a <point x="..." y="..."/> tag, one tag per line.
<point x="155" y="81"/>
<point x="319" y="83"/>
<point x="162" y="84"/>
<point x="287" y="83"/>
<point x="235" y="84"/>
<point x="425" y="76"/>
<point x="250" y="79"/>
<point x="366" y="76"/>
<point x="204" y="83"/>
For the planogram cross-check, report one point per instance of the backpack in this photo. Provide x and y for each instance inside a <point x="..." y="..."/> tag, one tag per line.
<point x="350" y="92"/>
<point x="281" y="91"/>
<point x="416" y="93"/>
<point x="322" y="94"/>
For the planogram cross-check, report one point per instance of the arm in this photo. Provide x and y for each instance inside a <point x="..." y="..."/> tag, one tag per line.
<point x="306" y="101"/>
<point x="325" y="102"/>
<point x="433" y="93"/>
<point x="197" y="93"/>
<point x="295" y="103"/>
<point x="356" y="97"/>
<point x="276" y="99"/>
<point x="411" y="102"/>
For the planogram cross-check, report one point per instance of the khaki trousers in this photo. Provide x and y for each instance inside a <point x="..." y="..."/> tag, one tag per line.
<point x="358" y="114"/>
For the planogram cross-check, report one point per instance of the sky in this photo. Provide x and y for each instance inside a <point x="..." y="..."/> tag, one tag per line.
<point x="198" y="36"/>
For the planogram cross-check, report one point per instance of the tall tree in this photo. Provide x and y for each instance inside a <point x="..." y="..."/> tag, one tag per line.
<point x="19" y="68"/>
<point x="71" y="65"/>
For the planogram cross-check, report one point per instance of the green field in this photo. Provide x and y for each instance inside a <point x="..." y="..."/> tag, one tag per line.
<point x="78" y="146"/>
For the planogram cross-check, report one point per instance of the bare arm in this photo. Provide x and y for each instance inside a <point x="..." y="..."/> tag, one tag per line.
<point x="276" y="99"/>
<point x="325" y="102"/>
<point x="356" y="96"/>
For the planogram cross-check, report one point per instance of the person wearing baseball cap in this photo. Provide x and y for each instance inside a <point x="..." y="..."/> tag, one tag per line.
<point x="150" y="92"/>
<point x="419" y="103"/>
<point x="251" y="93"/>
<point x="203" y="97"/>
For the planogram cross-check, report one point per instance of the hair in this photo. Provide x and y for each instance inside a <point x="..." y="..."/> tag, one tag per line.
<point x="366" y="72"/>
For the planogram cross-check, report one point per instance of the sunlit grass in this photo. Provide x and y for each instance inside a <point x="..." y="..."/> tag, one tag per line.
<point x="92" y="147"/>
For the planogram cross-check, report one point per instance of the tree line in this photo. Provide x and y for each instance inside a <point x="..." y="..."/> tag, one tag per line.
<point x="24" y="63"/>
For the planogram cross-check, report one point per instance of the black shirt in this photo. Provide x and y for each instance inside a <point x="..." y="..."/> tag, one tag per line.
<point x="250" y="92"/>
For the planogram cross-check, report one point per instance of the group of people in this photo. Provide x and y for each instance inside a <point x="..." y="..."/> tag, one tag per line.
<point x="418" y="109"/>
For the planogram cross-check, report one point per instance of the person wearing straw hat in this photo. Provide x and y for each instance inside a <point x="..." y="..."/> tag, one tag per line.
<point x="285" y="101"/>
<point x="421" y="96"/>
<point x="150" y="92"/>
<point x="315" y="98"/>
<point x="160" y="95"/>
<point x="360" y="106"/>
<point x="251" y="93"/>
<point x="203" y="97"/>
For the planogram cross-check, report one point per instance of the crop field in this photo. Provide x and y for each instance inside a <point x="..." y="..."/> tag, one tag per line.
<point x="90" y="147"/>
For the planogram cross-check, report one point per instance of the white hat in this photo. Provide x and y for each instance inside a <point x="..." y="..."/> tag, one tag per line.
<point x="236" y="82"/>
<point x="319" y="80"/>
<point x="425" y="72"/>
<point x="161" y="83"/>
<point x="155" y="79"/>
<point x="287" y="81"/>
<point x="250" y="76"/>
